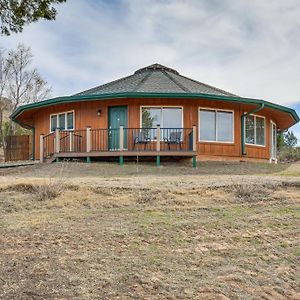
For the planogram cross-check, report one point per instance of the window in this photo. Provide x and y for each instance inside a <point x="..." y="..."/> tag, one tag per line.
<point x="166" y="117"/>
<point x="63" y="121"/>
<point x="53" y="122"/>
<point x="215" y="125"/>
<point x="255" y="130"/>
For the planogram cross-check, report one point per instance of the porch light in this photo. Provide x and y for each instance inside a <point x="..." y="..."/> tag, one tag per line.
<point x="99" y="112"/>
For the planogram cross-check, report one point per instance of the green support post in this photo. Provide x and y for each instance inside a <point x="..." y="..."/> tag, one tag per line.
<point x="57" y="159"/>
<point x="158" y="160"/>
<point x="194" y="161"/>
<point x="88" y="160"/>
<point x="121" y="160"/>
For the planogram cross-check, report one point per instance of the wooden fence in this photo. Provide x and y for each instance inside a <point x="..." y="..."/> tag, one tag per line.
<point x="17" y="147"/>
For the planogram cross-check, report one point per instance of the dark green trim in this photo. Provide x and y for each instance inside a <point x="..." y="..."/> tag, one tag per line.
<point x="194" y="161"/>
<point x="158" y="160"/>
<point x="69" y="99"/>
<point x="243" y="124"/>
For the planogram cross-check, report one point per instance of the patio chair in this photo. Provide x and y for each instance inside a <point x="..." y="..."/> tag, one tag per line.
<point x="140" y="139"/>
<point x="174" y="139"/>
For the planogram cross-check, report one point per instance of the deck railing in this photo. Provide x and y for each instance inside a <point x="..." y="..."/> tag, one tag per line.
<point x="118" y="139"/>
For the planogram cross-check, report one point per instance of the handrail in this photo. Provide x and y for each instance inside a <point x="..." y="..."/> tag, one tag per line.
<point x="46" y="135"/>
<point x="80" y="136"/>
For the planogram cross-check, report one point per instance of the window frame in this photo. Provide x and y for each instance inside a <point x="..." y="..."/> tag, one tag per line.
<point x="161" y="107"/>
<point x="265" y="130"/>
<point x="66" y="120"/>
<point x="216" y="110"/>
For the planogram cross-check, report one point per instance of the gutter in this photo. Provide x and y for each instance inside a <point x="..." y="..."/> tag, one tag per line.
<point x="243" y="124"/>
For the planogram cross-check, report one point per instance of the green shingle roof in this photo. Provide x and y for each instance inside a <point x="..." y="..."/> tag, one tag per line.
<point x="155" y="78"/>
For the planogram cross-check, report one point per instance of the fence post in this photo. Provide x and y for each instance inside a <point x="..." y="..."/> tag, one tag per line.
<point x="41" y="148"/>
<point x="194" y="146"/>
<point x="88" y="143"/>
<point x="71" y="136"/>
<point x="57" y="140"/>
<point x="158" y="145"/>
<point x="121" y="144"/>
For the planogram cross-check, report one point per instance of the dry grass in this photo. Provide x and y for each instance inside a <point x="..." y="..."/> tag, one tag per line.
<point x="143" y="238"/>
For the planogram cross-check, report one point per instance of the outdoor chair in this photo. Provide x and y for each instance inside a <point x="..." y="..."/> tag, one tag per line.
<point x="174" y="139"/>
<point x="140" y="139"/>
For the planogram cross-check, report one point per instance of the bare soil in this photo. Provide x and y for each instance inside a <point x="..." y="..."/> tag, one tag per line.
<point x="102" y="231"/>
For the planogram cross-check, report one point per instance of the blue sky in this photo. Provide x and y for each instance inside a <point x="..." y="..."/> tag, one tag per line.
<point x="250" y="48"/>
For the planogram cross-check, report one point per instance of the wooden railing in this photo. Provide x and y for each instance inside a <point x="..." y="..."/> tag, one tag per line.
<point x="118" y="139"/>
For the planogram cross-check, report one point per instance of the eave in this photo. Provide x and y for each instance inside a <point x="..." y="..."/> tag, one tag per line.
<point x="69" y="99"/>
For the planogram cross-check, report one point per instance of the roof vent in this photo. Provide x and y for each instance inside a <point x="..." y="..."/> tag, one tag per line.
<point x="156" y="67"/>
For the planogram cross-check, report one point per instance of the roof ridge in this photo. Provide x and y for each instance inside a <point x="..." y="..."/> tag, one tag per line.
<point x="175" y="81"/>
<point x="210" y="86"/>
<point x="142" y="81"/>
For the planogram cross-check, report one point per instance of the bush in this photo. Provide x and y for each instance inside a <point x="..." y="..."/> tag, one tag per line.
<point x="289" y="154"/>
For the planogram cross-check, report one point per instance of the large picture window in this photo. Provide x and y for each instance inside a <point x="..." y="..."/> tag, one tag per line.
<point x="255" y="130"/>
<point x="166" y="117"/>
<point x="63" y="121"/>
<point x="215" y="125"/>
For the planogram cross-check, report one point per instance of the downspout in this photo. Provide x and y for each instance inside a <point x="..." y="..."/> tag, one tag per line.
<point x="243" y="124"/>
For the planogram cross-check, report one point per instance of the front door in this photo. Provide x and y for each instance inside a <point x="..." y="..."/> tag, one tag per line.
<point x="273" y="141"/>
<point x="117" y="116"/>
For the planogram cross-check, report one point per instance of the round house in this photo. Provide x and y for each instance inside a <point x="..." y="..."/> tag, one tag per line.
<point x="155" y="112"/>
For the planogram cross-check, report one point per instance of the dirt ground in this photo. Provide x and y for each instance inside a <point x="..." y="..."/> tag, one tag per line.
<point x="104" y="231"/>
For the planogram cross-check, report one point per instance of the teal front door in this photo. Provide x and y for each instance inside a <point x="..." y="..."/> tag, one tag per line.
<point x="117" y="116"/>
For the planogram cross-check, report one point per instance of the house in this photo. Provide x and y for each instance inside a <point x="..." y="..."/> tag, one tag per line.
<point x="155" y="112"/>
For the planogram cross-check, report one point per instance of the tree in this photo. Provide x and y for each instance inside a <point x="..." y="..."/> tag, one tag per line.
<point x="4" y="77"/>
<point x="290" y="139"/>
<point x="280" y="141"/>
<point x="25" y="85"/>
<point x="15" y="14"/>
<point x="19" y="83"/>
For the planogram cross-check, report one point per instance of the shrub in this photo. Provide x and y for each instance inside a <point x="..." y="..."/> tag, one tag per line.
<point x="289" y="154"/>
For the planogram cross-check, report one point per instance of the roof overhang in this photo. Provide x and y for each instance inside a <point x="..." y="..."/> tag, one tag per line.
<point x="77" y="98"/>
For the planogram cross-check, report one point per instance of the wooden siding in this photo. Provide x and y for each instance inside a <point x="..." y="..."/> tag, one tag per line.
<point x="86" y="115"/>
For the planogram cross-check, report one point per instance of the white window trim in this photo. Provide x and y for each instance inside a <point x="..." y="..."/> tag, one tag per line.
<point x="216" y="110"/>
<point x="271" y="141"/>
<point x="57" y="119"/>
<point x="161" y="107"/>
<point x="265" y="131"/>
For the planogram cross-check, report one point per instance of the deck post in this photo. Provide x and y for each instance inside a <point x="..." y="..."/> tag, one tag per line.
<point x="41" y="148"/>
<point x="194" y="161"/>
<point x="158" y="145"/>
<point x="57" y="140"/>
<point x="121" y="144"/>
<point x="194" y="138"/>
<point x="71" y="138"/>
<point x="88" y="143"/>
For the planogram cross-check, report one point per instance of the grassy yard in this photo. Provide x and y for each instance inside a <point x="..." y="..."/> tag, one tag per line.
<point x="101" y="231"/>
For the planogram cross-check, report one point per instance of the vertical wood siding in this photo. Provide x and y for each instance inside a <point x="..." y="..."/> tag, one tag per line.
<point x="86" y="115"/>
